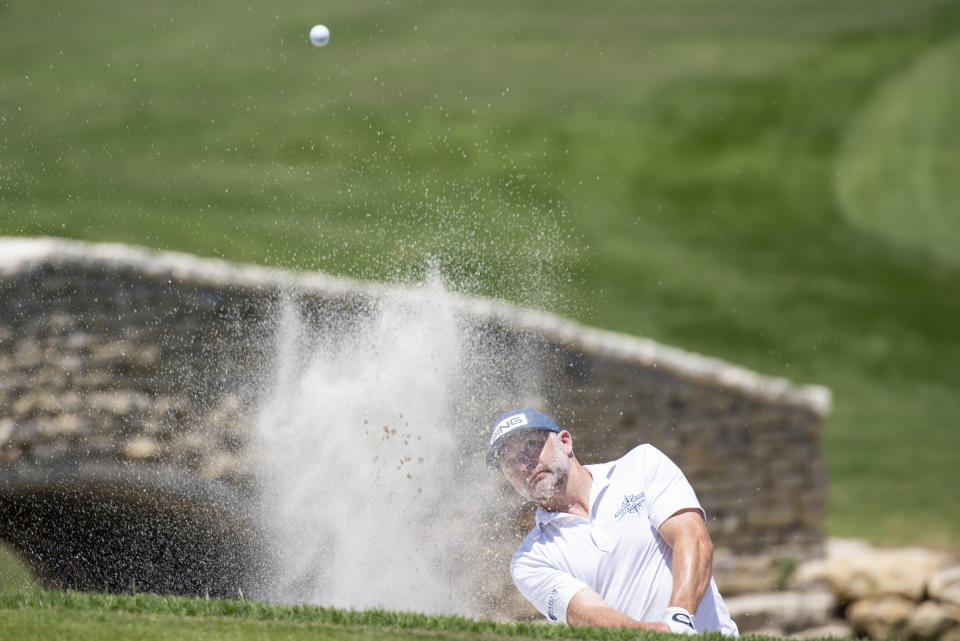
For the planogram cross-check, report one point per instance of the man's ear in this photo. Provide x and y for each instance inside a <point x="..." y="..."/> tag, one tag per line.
<point x="567" y="440"/>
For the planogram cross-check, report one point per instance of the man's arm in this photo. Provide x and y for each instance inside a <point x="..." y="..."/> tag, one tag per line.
<point x="588" y="608"/>
<point x="687" y="534"/>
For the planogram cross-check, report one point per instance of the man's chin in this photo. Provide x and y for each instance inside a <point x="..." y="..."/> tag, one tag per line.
<point x="543" y="489"/>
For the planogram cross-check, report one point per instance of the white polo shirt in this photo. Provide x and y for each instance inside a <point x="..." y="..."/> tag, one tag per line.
<point x="618" y="552"/>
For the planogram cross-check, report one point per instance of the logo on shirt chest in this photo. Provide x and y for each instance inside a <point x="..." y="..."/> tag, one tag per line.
<point x="632" y="504"/>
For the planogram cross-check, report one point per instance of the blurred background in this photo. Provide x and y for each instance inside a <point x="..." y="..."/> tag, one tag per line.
<point x="773" y="183"/>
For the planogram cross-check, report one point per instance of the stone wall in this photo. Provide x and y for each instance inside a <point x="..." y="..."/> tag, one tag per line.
<point x="859" y="591"/>
<point x="126" y="380"/>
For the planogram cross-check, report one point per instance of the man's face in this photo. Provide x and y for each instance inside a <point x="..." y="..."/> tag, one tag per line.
<point x="536" y="464"/>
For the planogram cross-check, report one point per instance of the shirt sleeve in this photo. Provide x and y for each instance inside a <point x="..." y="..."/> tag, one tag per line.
<point x="667" y="490"/>
<point x="547" y="587"/>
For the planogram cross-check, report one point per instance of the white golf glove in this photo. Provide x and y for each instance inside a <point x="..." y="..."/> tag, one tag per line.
<point x="679" y="620"/>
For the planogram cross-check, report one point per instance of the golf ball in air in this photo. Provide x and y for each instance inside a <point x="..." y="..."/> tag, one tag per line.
<point x="319" y="35"/>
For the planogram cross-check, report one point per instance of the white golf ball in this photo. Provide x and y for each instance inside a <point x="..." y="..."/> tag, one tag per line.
<point x="319" y="35"/>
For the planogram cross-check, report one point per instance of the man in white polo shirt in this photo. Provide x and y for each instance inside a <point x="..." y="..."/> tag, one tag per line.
<point x="620" y="544"/>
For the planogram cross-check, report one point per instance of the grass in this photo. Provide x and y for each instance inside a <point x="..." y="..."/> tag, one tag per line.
<point x="898" y="160"/>
<point x="719" y="176"/>
<point x="37" y="614"/>
<point x="14" y="574"/>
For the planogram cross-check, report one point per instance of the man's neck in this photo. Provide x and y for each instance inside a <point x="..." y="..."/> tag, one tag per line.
<point x="574" y="497"/>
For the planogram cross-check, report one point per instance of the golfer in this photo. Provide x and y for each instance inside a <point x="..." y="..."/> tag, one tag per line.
<point x="620" y="544"/>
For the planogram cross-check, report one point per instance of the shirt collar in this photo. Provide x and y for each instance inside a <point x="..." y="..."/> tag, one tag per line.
<point x="601" y="473"/>
<point x="546" y="516"/>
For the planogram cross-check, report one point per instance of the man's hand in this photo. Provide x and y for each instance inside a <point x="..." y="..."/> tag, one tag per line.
<point x="679" y="621"/>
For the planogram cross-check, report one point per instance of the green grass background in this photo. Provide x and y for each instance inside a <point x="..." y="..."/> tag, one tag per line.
<point x="774" y="183"/>
<point x="35" y="614"/>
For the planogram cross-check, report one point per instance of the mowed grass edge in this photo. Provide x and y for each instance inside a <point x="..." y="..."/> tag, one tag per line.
<point x="43" y="614"/>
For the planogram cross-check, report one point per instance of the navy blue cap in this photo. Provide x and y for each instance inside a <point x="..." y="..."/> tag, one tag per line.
<point x="509" y="422"/>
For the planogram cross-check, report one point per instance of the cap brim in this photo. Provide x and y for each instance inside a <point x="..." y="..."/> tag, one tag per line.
<point x="493" y="452"/>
